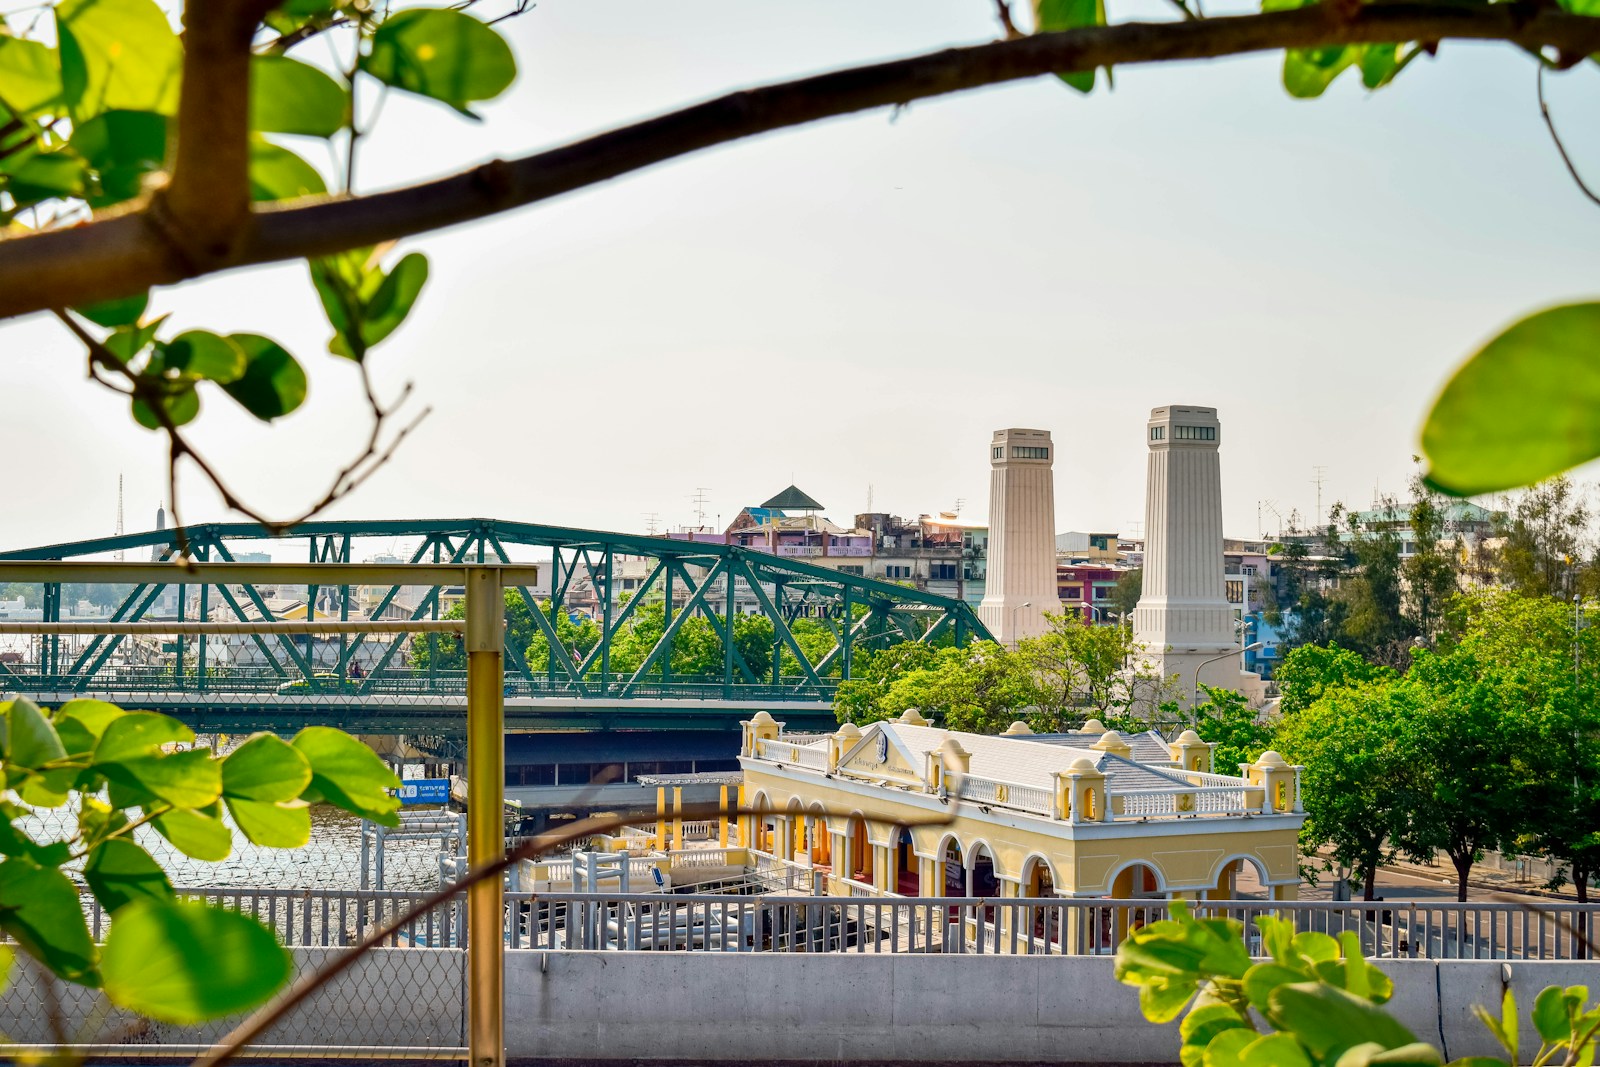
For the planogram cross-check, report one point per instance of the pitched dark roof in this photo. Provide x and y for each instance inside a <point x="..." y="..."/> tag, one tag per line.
<point x="792" y="499"/>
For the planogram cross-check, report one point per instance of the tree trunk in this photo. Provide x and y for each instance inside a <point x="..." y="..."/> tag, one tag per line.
<point x="1369" y="882"/>
<point x="1463" y="865"/>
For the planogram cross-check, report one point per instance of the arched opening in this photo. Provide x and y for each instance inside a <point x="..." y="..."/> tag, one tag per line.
<point x="1037" y="878"/>
<point x="764" y="825"/>
<point x="952" y="869"/>
<point x="860" y="851"/>
<point x="796" y="823"/>
<point x="821" y="842"/>
<point x="1242" y="878"/>
<point x="981" y="879"/>
<point x="907" y="881"/>
<point x="1135" y="882"/>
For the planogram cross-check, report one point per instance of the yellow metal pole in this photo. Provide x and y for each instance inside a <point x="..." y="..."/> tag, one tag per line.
<point x="486" y="790"/>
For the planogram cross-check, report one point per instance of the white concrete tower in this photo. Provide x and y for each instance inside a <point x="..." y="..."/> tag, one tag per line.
<point x="1183" y="617"/>
<point x="1021" y="582"/>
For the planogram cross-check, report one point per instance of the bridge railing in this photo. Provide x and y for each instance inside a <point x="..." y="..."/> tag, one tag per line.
<point x="258" y="681"/>
<point x="777" y="922"/>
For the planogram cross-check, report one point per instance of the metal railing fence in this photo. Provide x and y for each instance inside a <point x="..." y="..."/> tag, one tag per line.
<point x="767" y="921"/>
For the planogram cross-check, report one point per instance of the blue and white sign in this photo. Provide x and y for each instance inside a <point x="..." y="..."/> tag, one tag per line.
<point x="424" y="791"/>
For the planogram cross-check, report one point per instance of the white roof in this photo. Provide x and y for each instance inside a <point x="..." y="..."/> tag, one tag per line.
<point x="1024" y="760"/>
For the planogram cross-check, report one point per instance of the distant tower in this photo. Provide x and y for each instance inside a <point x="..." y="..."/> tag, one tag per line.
<point x="121" y="555"/>
<point x="1183" y="617"/>
<point x="1021" y="582"/>
<point x="161" y="524"/>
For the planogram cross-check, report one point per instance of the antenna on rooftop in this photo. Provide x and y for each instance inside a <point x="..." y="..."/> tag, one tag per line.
<point x="1319" y="474"/>
<point x="121" y="555"/>
<point x="869" y="498"/>
<point x="699" y="500"/>
<point x="652" y="522"/>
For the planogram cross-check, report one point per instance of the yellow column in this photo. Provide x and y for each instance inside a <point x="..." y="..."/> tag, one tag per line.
<point x="677" y="816"/>
<point x="722" y="819"/>
<point x="661" y="817"/>
<point x="486" y="805"/>
<point x="1286" y="892"/>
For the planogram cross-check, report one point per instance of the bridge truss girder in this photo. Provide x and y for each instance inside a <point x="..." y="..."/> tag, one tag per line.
<point x="690" y="579"/>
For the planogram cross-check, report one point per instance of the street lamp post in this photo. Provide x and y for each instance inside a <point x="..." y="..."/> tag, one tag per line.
<point x="1195" y="702"/>
<point x="1012" y="616"/>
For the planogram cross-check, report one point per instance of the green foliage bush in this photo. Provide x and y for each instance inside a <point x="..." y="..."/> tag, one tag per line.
<point x="116" y="771"/>
<point x="1313" y="1001"/>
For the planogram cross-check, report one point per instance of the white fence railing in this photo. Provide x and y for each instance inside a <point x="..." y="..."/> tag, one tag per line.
<point x="801" y="755"/>
<point x="1168" y="803"/>
<point x="1029" y="798"/>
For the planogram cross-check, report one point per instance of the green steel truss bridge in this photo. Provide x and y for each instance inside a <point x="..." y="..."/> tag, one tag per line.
<point x="381" y="683"/>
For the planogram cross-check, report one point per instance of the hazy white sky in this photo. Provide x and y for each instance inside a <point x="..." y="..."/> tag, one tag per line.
<point x="862" y="302"/>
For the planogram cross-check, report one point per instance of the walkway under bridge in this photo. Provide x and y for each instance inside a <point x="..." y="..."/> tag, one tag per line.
<point x="620" y="631"/>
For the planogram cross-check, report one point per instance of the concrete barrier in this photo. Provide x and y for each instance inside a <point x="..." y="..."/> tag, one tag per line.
<point x="715" y="1008"/>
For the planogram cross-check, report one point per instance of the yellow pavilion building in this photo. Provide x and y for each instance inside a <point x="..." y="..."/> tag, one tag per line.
<point x="902" y="807"/>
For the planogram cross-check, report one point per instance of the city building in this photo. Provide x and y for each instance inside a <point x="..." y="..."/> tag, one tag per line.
<point x="1089" y="589"/>
<point x="905" y="808"/>
<point x="1021" y="584"/>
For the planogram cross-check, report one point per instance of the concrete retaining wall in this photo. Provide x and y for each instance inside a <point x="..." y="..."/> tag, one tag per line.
<point x="709" y="1007"/>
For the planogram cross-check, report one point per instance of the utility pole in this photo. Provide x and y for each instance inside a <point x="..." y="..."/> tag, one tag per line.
<point x="1320" y="474"/>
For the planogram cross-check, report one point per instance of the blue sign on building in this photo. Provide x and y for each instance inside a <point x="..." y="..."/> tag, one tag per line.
<point x="424" y="791"/>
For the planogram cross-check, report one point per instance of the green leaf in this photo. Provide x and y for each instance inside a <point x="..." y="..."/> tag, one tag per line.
<point x="181" y="407"/>
<point x="1054" y="15"/>
<point x="30" y="75"/>
<point x="443" y="54"/>
<point x="1379" y="64"/>
<point x="1206" y="1021"/>
<point x="265" y="768"/>
<point x="122" y="147"/>
<point x="197" y="836"/>
<point x="1326" y="1018"/>
<point x="184" y="962"/>
<point x="114" y="313"/>
<point x="1263" y="978"/>
<point x="1274" y="1050"/>
<point x="273" y="383"/>
<point x="274" y="825"/>
<point x="278" y="174"/>
<point x="39" y="908"/>
<point x="1316" y="947"/>
<point x="349" y="774"/>
<point x="120" y="872"/>
<point x="1550" y="1016"/>
<point x="201" y="354"/>
<point x="94" y="715"/>
<point x="1162" y="999"/>
<point x="1477" y="443"/>
<point x="392" y="302"/>
<point x="288" y="96"/>
<point x="118" y="55"/>
<point x="1307" y="73"/>
<point x="49" y="176"/>
<point x="140" y="733"/>
<point x="126" y="342"/>
<point x="1226" y="1048"/>
<point x="1416" y="1054"/>
<point x="31" y="741"/>
<point x="190" y="779"/>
